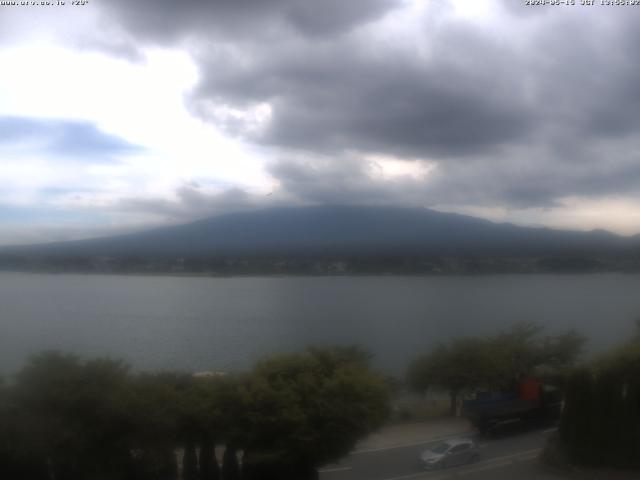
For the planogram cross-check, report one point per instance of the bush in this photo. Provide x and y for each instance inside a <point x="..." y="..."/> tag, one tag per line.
<point x="600" y="424"/>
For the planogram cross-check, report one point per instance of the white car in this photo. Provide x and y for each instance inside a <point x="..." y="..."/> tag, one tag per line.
<point x="452" y="452"/>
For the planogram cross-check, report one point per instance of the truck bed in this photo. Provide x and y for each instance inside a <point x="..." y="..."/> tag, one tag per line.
<point x="499" y="409"/>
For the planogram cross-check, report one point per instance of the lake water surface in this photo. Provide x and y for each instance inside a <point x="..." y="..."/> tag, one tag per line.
<point x="227" y="323"/>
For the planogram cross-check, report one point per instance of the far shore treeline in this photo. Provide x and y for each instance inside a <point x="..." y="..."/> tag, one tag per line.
<point x="330" y="264"/>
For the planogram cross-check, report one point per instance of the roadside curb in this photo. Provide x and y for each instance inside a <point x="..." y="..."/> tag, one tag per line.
<point x="417" y="443"/>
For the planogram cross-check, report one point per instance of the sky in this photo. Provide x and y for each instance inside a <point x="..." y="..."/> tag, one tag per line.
<point x="117" y="116"/>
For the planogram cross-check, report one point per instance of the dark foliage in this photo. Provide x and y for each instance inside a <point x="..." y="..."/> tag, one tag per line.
<point x="230" y="466"/>
<point x="601" y="419"/>
<point x="209" y="468"/>
<point x="69" y="419"/>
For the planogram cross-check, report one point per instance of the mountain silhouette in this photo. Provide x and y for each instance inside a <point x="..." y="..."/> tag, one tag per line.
<point x="333" y="230"/>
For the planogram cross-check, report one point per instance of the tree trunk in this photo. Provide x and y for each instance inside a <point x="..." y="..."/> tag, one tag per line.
<point x="190" y="463"/>
<point x="209" y="469"/>
<point x="230" y="467"/>
<point x="171" y="466"/>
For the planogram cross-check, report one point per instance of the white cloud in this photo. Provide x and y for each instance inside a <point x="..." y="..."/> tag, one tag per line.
<point x="385" y="167"/>
<point x="613" y="213"/>
<point x="139" y="102"/>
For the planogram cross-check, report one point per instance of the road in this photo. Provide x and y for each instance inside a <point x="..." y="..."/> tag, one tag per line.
<point x="512" y="456"/>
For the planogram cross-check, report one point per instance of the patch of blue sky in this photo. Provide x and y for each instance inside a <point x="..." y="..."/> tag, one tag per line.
<point x="14" y="129"/>
<point x="52" y="192"/>
<point x="198" y="182"/>
<point x="34" y="215"/>
<point x="63" y="138"/>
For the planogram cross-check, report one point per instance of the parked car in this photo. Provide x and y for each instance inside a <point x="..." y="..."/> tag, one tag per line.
<point x="452" y="452"/>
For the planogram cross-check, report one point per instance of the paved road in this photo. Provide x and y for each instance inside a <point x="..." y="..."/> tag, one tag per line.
<point x="512" y="456"/>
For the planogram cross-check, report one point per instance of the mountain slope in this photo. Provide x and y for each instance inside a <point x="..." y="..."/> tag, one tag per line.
<point x="327" y="230"/>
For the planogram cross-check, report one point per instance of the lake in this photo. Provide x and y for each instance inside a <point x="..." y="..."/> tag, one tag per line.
<point x="226" y="324"/>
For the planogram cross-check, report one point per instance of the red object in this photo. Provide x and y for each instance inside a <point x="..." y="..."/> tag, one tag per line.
<point x="529" y="389"/>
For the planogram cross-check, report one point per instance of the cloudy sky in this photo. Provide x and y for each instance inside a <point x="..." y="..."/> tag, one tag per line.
<point x="118" y="115"/>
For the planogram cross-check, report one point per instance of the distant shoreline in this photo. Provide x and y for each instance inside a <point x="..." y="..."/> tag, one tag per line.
<point x="315" y="275"/>
<point x="328" y="264"/>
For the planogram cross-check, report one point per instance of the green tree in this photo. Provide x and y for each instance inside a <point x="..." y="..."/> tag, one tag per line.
<point x="72" y="414"/>
<point x="630" y="433"/>
<point x="495" y="362"/>
<point x="70" y="419"/>
<point x="602" y="403"/>
<point x="576" y="428"/>
<point x="306" y="410"/>
<point x="18" y="455"/>
<point x="522" y="350"/>
<point x="608" y="408"/>
<point x="461" y="365"/>
<point x="155" y="408"/>
<point x="625" y="358"/>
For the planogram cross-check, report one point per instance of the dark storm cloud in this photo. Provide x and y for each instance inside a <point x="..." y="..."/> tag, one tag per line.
<point x="471" y="94"/>
<point x="541" y="105"/>
<point x="64" y="138"/>
<point x="344" y="182"/>
<point x="337" y="97"/>
<point x="166" y="21"/>
<point x="338" y="93"/>
<point x="532" y="181"/>
<point x="574" y="100"/>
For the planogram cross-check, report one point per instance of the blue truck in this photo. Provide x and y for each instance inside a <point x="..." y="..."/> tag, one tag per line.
<point x="531" y="402"/>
